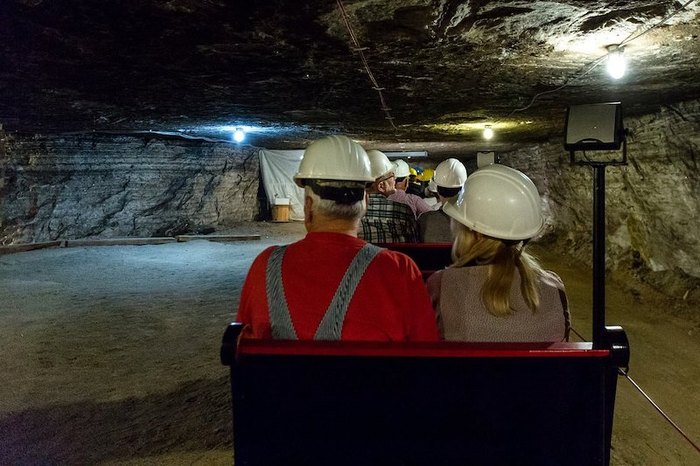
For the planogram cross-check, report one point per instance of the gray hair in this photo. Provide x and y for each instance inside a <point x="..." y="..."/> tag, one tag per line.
<point x="331" y="208"/>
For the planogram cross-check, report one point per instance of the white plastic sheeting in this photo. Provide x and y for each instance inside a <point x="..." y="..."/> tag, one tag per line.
<point x="278" y="168"/>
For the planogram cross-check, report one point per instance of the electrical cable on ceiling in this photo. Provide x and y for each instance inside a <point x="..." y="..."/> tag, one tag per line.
<point x="587" y="68"/>
<point x="590" y="66"/>
<point x="360" y="50"/>
<point x="660" y="23"/>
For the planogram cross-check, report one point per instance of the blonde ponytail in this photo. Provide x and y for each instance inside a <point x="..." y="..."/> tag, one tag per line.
<point x="502" y="258"/>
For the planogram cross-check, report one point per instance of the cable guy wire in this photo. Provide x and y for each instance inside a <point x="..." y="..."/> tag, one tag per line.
<point x="648" y="398"/>
<point x="665" y="416"/>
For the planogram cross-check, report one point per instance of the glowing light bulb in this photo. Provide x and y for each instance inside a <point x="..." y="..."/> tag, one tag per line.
<point x="616" y="64"/>
<point x="488" y="132"/>
<point x="238" y="135"/>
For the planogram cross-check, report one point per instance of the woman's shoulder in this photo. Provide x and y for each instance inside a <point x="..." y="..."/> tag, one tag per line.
<point x="435" y="279"/>
<point x="468" y="270"/>
<point x="551" y="279"/>
<point x="457" y="275"/>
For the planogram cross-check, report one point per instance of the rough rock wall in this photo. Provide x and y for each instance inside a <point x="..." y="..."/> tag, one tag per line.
<point x="652" y="203"/>
<point x="115" y="186"/>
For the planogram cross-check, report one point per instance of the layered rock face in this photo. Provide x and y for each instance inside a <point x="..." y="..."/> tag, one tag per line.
<point x="652" y="203"/>
<point x="109" y="186"/>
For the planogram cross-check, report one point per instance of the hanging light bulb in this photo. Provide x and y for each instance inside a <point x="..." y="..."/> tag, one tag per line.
<point x="238" y="135"/>
<point x="488" y="132"/>
<point x="616" y="64"/>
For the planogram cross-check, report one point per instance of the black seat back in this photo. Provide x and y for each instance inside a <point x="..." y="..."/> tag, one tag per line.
<point x="430" y="257"/>
<point x="340" y="403"/>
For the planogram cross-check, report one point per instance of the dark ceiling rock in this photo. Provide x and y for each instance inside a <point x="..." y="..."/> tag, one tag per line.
<point x="290" y="70"/>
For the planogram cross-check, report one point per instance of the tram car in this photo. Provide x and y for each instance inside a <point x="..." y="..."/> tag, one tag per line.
<point x="441" y="404"/>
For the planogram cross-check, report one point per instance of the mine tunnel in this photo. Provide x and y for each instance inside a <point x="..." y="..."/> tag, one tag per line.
<point x="148" y="154"/>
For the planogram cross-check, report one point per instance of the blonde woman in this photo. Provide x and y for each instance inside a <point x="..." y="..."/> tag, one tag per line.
<point x="495" y="290"/>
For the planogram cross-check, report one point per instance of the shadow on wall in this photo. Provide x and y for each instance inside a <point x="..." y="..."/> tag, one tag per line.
<point x="195" y="417"/>
<point x="264" y="208"/>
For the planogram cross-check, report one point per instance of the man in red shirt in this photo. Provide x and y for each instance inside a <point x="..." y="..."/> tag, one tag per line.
<point x="332" y="285"/>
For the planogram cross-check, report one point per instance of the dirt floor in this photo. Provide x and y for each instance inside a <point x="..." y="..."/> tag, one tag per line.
<point x="110" y="354"/>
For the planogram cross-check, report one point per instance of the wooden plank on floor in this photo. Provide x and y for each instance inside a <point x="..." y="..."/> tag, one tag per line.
<point x="73" y="243"/>
<point x="120" y="241"/>
<point x="12" y="248"/>
<point x="218" y="238"/>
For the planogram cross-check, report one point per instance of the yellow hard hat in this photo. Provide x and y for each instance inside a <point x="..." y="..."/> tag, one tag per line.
<point x="427" y="174"/>
<point x="413" y="171"/>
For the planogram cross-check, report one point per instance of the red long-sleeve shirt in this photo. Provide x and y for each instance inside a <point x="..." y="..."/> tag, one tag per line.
<point x="390" y="302"/>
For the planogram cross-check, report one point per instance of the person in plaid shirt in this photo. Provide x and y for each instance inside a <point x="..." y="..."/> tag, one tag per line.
<point x="386" y="221"/>
<point x="416" y="203"/>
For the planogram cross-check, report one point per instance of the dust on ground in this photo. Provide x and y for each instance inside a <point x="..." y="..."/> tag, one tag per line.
<point x="110" y="354"/>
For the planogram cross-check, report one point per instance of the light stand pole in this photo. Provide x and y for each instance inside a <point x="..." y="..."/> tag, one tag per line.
<point x="598" y="325"/>
<point x="598" y="255"/>
<point x="599" y="127"/>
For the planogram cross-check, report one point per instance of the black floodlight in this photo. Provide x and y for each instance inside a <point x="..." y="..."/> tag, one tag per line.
<point x="593" y="127"/>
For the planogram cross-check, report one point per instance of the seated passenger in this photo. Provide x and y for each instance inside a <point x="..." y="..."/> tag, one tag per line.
<point x="332" y="285"/>
<point x="416" y="203"/>
<point x="431" y="195"/>
<point x="434" y="226"/>
<point x="414" y="184"/>
<point x="495" y="290"/>
<point x="386" y="221"/>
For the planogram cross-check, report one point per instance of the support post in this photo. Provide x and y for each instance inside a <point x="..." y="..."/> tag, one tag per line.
<point x="599" y="256"/>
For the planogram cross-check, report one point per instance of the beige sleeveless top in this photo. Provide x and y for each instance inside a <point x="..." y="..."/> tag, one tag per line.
<point x="456" y="297"/>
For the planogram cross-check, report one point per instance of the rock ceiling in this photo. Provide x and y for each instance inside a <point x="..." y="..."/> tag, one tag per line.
<point x="289" y="70"/>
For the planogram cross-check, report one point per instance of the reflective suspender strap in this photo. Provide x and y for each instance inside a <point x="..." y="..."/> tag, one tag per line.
<point x="280" y="320"/>
<point x="331" y="325"/>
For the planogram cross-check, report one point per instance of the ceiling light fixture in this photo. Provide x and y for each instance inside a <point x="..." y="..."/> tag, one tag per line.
<point x="488" y="132"/>
<point x="616" y="64"/>
<point x="407" y="154"/>
<point x="591" y="65"/>
<point x="238" y="135"/>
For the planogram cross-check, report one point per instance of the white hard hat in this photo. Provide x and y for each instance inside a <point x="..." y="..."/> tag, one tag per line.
<point x="500" y="202"/>
<point x="432" y="187"/>
<point x="450" y="173"/>
<point x="401" y="169"/>
<point x="334" y="158"/>
<point x="379" y="163"/>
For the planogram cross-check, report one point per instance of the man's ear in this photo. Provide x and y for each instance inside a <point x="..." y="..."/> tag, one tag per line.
<point x="308" y="213"/>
